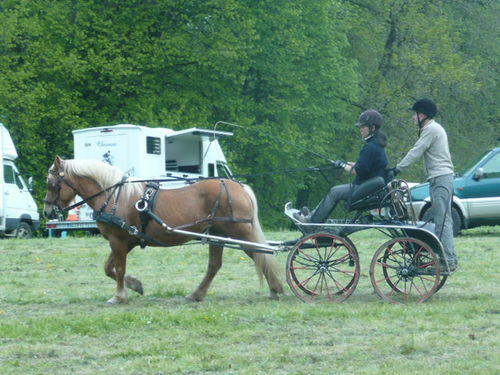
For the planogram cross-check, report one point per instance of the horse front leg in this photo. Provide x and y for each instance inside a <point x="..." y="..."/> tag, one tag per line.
<point x="214" y="265"/>
<point x="131" y="282"/>
<point x="115" y="268"/>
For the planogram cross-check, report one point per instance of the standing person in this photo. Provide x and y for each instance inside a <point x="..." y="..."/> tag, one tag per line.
<point x="432" y="144"/>
<point x="372" y="162"/>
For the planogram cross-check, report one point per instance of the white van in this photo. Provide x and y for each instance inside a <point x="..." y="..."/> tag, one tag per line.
<point x="146" y="153"/>
<point x="19" y="215"/>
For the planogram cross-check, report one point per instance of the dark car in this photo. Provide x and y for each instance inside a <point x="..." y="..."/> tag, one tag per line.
<point x="476" y="199"/>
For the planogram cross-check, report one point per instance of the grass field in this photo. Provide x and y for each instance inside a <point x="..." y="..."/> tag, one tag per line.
<point x="54" y="319"/>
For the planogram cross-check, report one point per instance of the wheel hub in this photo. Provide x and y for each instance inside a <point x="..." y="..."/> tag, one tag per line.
<point x="323" y="266"/>
<point x="407" y="271"/>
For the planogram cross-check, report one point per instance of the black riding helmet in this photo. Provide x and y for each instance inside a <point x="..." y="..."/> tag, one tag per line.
<point x="370" y="117"/>
<point x="425" y="106"/>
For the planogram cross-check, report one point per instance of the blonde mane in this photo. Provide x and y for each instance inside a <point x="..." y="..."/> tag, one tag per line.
<point x="105" y="175"/>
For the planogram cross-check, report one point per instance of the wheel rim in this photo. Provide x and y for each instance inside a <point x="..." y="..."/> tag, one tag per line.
<point x="323" y="267"/>
<point x="23" y="232"/>
<point x="405" y="270"/>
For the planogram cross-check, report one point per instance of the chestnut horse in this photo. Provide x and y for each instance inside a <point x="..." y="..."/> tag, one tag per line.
<point x="194" y="208"/>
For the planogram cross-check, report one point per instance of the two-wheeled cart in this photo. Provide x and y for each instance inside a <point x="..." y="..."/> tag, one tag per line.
<point x="409" y="267"/>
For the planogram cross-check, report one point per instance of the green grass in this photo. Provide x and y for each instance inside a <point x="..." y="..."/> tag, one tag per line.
<point x="54" y="319"/>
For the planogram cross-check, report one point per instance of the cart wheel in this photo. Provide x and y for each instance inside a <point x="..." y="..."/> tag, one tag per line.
<point x="405" y="270"/>
<point x="443" y="279"/>
<point x="323" y="267"/>
<point x="441" y="282"/>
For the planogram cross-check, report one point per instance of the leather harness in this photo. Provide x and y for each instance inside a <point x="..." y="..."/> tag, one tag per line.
<point x="146" y="207"/>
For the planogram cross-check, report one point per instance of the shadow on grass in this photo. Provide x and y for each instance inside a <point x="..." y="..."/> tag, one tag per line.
<point x="480" y="232"/>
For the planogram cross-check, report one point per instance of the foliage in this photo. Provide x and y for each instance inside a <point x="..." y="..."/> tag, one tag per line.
<point x="297" y="71"/>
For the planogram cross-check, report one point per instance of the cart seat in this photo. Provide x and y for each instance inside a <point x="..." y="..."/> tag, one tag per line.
<point x="368" y="195"/>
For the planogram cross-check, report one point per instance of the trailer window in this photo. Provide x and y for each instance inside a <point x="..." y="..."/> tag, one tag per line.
<point x="8" y="174"/>
<point x="189" y="168"/>
<point x="11" y="176"/>
<point x="153" y="145"/>
<point x="223" y="171"/>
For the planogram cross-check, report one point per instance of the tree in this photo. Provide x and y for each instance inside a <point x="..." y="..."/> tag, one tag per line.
<point x="412" y="49"/>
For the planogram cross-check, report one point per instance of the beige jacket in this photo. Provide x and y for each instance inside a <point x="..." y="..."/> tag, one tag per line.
<point x="433" y="146"/>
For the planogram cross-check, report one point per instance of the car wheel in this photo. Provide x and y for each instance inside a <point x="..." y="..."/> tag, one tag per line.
<point x="23" y="230"/>
<point x="457" y="219"/>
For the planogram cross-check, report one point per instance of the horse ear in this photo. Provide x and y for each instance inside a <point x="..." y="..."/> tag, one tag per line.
<point x="57" y="162"/>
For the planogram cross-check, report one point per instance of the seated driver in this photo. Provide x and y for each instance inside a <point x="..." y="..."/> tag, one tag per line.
<point x="372" y="162"/>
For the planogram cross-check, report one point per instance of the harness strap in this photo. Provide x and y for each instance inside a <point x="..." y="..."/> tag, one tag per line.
<point x="229" y="199"/>
<point x="146" y="206"/>
<point x="215" y="218"/>
<point x="148" y="201"/>
<point x="107" y="218"/>
<point x="211" y="216"/>
<point x="85" y="200"/>
<point x="217" y="201"/>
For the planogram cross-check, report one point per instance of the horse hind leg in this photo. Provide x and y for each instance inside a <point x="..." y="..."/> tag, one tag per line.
<point x="214" y="265"/>
<point x="131" y="282"/>
<point x="268" y="267"/>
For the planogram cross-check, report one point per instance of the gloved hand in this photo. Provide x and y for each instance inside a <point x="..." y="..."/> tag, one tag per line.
<point x="394" y="171"/>
<point x="339" y="164"/>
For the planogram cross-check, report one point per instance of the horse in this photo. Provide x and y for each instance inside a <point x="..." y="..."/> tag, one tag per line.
<point x="220" y="205"/>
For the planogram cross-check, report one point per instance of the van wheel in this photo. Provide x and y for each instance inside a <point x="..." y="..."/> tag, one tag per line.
<point x="457" y="219"/>
<point x="23" y="230"/>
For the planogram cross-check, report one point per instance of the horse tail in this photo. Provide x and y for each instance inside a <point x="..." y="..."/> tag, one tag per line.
<point x="266" y="264"/>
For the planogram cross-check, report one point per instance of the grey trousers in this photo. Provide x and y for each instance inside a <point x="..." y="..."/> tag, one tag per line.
<point x="328" y="204"/>
<point x="441" y="189"/>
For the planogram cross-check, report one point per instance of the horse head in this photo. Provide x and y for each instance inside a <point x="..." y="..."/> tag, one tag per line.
<point x="60" y="190"/>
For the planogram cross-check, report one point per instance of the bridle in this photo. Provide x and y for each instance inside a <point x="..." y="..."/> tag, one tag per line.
<point x="59" y="175"/>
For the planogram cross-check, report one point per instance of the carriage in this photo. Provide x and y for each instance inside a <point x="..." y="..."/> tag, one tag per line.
<point x="322" y="265"/>
<point x="409" y="267"/>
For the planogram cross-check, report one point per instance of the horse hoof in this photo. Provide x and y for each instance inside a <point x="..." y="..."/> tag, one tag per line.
<point x="137" y="287"/>
<point x="274" y="296"/>
<point x="193" y="298"/>
<point x="134" y="284"/>
<point x="115" y="301"/>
